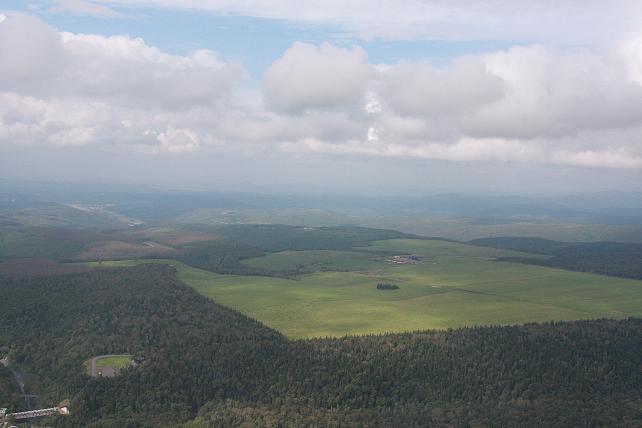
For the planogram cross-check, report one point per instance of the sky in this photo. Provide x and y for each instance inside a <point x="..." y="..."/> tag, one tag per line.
<point x="378" y="97"/>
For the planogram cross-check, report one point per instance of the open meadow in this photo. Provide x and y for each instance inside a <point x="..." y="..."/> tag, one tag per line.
<point x="452" y="285"/>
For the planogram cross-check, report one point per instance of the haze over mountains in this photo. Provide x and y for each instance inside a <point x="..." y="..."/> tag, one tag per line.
<point x="166" y="204"/>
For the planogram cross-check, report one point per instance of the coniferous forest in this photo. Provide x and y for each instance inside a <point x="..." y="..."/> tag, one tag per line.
<point x="621" y="259"/>
<point x="200" y="364"/>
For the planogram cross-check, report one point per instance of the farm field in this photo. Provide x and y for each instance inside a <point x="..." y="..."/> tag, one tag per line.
<point x="454" y="285"/>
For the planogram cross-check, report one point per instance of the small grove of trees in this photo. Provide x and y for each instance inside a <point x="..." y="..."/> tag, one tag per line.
<point x="387" y="286"/>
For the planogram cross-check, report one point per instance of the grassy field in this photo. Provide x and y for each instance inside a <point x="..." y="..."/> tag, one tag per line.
<point x="455" y="285"/>
<point x="118" y="361"/>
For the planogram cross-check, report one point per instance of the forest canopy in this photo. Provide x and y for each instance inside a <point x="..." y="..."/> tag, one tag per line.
<point x="199" y="360"/>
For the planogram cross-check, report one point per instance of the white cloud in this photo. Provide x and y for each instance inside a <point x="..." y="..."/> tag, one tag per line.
<point x="471" y="150"/>
<point x="316" y="77"/>
<point x="30" y="52"/>
<point x="128" y="71"/>
<point x="524" y="104"/>
<point x="553" y="21"/>
<point x="60" y="122"/>
<point x="38" y="60"/>
<point x="619" y="158"/>
<point x="462" y="150"/>
<point x="178" y="140"/>
<point x="421" y="89"/>
<point x="554" y="94"/>
<point x="576" y="107"/>
<point x="630" y="51"/>
<point x="76" y="89"/>
<point x="84" y="7"/>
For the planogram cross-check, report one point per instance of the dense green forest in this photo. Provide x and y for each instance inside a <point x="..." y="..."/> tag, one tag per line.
<point x="202" y="362"/>
<point x="249" y="241"/>
<point x="273" y="238"/>
<point x="222" y="256"/>
<point x="8" y="388"/>
<point x="605" y="258"/>
<point x="217" y="249"/>
<point x="223" y="247"/>
<point x="55" y="243"/>
<point x="186" y="346"/>
<point x="525" y="244"/>
<point x="536" y="413"/>
<point x="229" y="242"/>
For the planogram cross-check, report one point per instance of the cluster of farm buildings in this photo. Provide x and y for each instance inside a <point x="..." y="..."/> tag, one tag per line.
<point x="404" y="260"/>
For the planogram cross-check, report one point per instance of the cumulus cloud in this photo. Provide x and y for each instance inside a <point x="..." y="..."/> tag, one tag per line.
<point x="421" y="89"/>
<point x="178" y="140"/>
<point x="630" y="51"/>
<point x="29" y="120"/>
<point x="554" y="94"/>
<point x="532" y="103"/>
<point x="38" y="60"/>
<point x="82" y="89"/>
<point x="129" y="71"/>
<point x="316" y="77"/>
<point x="523" y="104"/>
<point x="30" y="52"/>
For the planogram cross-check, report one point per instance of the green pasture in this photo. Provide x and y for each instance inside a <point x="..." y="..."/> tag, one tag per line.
<point x="118" y="361"/>
<point x="455" y="285"/>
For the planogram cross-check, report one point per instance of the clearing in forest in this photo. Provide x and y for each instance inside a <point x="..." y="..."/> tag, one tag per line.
<point x="107" y="365"/>
<point x="455" y="285"/>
